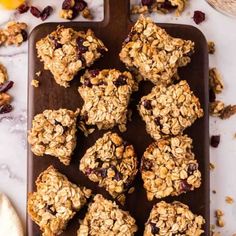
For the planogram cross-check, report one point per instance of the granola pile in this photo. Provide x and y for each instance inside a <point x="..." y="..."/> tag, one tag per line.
<point x="53" y="133"/>
<point x="111" y="162"/>
<point x="153" y="53"/>
<point x="169" y="168"/>
<point x="105" y="218"/>
<point x="167" y="111"/>
<point x="167" y="219"/>
<point x="106" y="96"/>
<point x="55" y="201"/>
<point x="160" y="6"/>
<point x="65" y="52"/>
<point x="14" y="34"/>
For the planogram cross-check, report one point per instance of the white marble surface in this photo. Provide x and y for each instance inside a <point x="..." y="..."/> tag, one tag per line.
<point x="13" y="159"/>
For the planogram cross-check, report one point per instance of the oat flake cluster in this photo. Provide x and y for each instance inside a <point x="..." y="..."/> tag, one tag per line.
<point x="167" y="219"/>
<point x="167" y="111"/>
<point x="153" y="53"/>
<point x="111" y="162"/>
<point x="55" y="201"/>
<point x="53" y="133"/>
<point x="106" y="96"/>
<point x="169" y="168"/>
<point x="105" y="218"/>
<point x="65" y="52"/>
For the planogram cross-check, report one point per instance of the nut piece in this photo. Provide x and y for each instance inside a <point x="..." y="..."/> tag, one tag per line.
<point x="229" y="200"/>
<point x="216" y="108"/>
<point x="35" y="83"/>
<point x="216" y="82"/>
<point x="105" y="218"/>
<point x="55" y="201"/>
<point x="5" y="98"/>
<point x="211" y="47"/>
<point x="153" y="53"/>
<point x="167" y="111"/>
<point x="173" y="219"/>
<point x="53" y="133"/>
<point x="65" y="52"/>
<point x="3" y="74"/>
<point x="169" y="168"/>
<point x="219" y="218"/>
<point x="111" y="162"/>
<point x="106" y="96"/>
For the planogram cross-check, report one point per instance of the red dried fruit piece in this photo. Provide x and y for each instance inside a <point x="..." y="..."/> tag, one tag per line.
<point x="67" y="5"/>
<point x="24" y="35"/>
<point x="185" y="186"/>
<point x="23" y="8"/>
<point x="168" y="6"/>
<point x="46" y="13"/>
<point x="94" y="73"/>
<point x="199" y="17"/>
<point x="215" y="140"/>
<point x="80" y="5"/>
<point x="6" y="86"/>
<point x="212" y="95"/>
<point x="5" y="108"/>
<point x="147" y="2"/>
<point x="120" y="81"/>
<point x="35" y="11"/>
<point x="147" y="104"/>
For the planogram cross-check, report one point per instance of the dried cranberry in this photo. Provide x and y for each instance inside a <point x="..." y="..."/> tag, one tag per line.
<point x="81" y="47"/>
<point x="215" y="141"/>
<point x="6" y="86"/>
<point x="6" y="108"/>
<point x="46" y="13"/>
<point x="87" y="83"/>
<point x="147" y="104"/>
<point x="88" y="171"/>
<point x="192" y="167"/>
<point x="154" y="228"/>
<point x="118" y="176"/>
<point x="80" y="40"/>
<point x="212" y="95"/>
<point x="81" y="57"/>
<point x="94" y="73"/>
<point x="35" y="11"/>
<point x="23" y="8"/>
<point x="80" y="5"/>
<point x="168" y="6"/>
<point x="121" y="80"/>
<point x="24" y="35"/>
<point x="157" y="120"/>
<point x="185" y="186"/>
<point x="67" y="5"/>
<point x="199" y="17"/>
<point x="147" y="165"/>
<point x="103" y="172"/>
<point x="147" y="2"/>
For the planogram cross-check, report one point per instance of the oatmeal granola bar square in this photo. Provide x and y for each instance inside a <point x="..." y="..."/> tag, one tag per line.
<point x="169" y="168"/>
<point x="105" y="218"/>
<point x="106" y="96"/>
<point x="53" y="133"/>
<point x="167" y="111"/>
<point x="174" y="218"/>
<point x="111" y="162"/>
<point x="153" y="53"/>
<point x="65" y="52"/>
<point x="55" y="201"/>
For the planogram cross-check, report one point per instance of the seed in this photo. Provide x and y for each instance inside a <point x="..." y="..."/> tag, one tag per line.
<point x="199" y="17"/>
<point x="46" y="13"/>
<point x="6" y="108"/>
<point x="147" y="104"/>
<point x="35" y="11"/>
<point x="215" y="140"/>
<point x="23" y="8"/>
<point x="6" y="86"/>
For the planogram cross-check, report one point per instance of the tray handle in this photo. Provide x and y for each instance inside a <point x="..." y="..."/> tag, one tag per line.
<point x="117" y="12"/>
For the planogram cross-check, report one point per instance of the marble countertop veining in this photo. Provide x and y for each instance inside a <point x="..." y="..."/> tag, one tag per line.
<point x="217" y="27"/>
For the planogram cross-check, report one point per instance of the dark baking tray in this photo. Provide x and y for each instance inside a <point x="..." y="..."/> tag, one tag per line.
<point x="113" y="30"/>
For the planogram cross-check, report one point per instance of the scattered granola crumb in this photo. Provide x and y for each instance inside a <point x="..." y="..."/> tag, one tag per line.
<point x="38" y="73"/>
<point x="215" y="140"/>
<point x="228" y="111"/>
<point x="215" y="80"/>
<point x="229" y="200"/>
<point x="212" y="166"/>
<point x="214" y="191"/>
<point x="216" y="108"/>
<point x="219" y="218"/>
<point x="3" y="74"/>
<point x="35" y="83"/>
<point x="211" y="47"/>
<point x="199" y="17"/>
<point x="131" y="190"/>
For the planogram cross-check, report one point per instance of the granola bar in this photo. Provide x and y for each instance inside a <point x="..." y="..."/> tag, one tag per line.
<point x="162" y="6"/>
<point x="65" y="52"/>
<point x="55" y="201"/>
<point x="106" y="96"/>
<point x="14" y="34"/>
<point x="111" y="162"/>
<point x="153" y="53"/>
<point x="169" y="168"/>
<point x="53" y="133"/>
<point x="105" y="218"/>
<point x="167" y="111"/>
<point x="167" y="219"/>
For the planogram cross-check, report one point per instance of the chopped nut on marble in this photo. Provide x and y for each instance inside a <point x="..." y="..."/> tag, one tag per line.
<point x="229" y="200"/>
<point x="216" y="82"/>
<point x="211" y="47"/>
